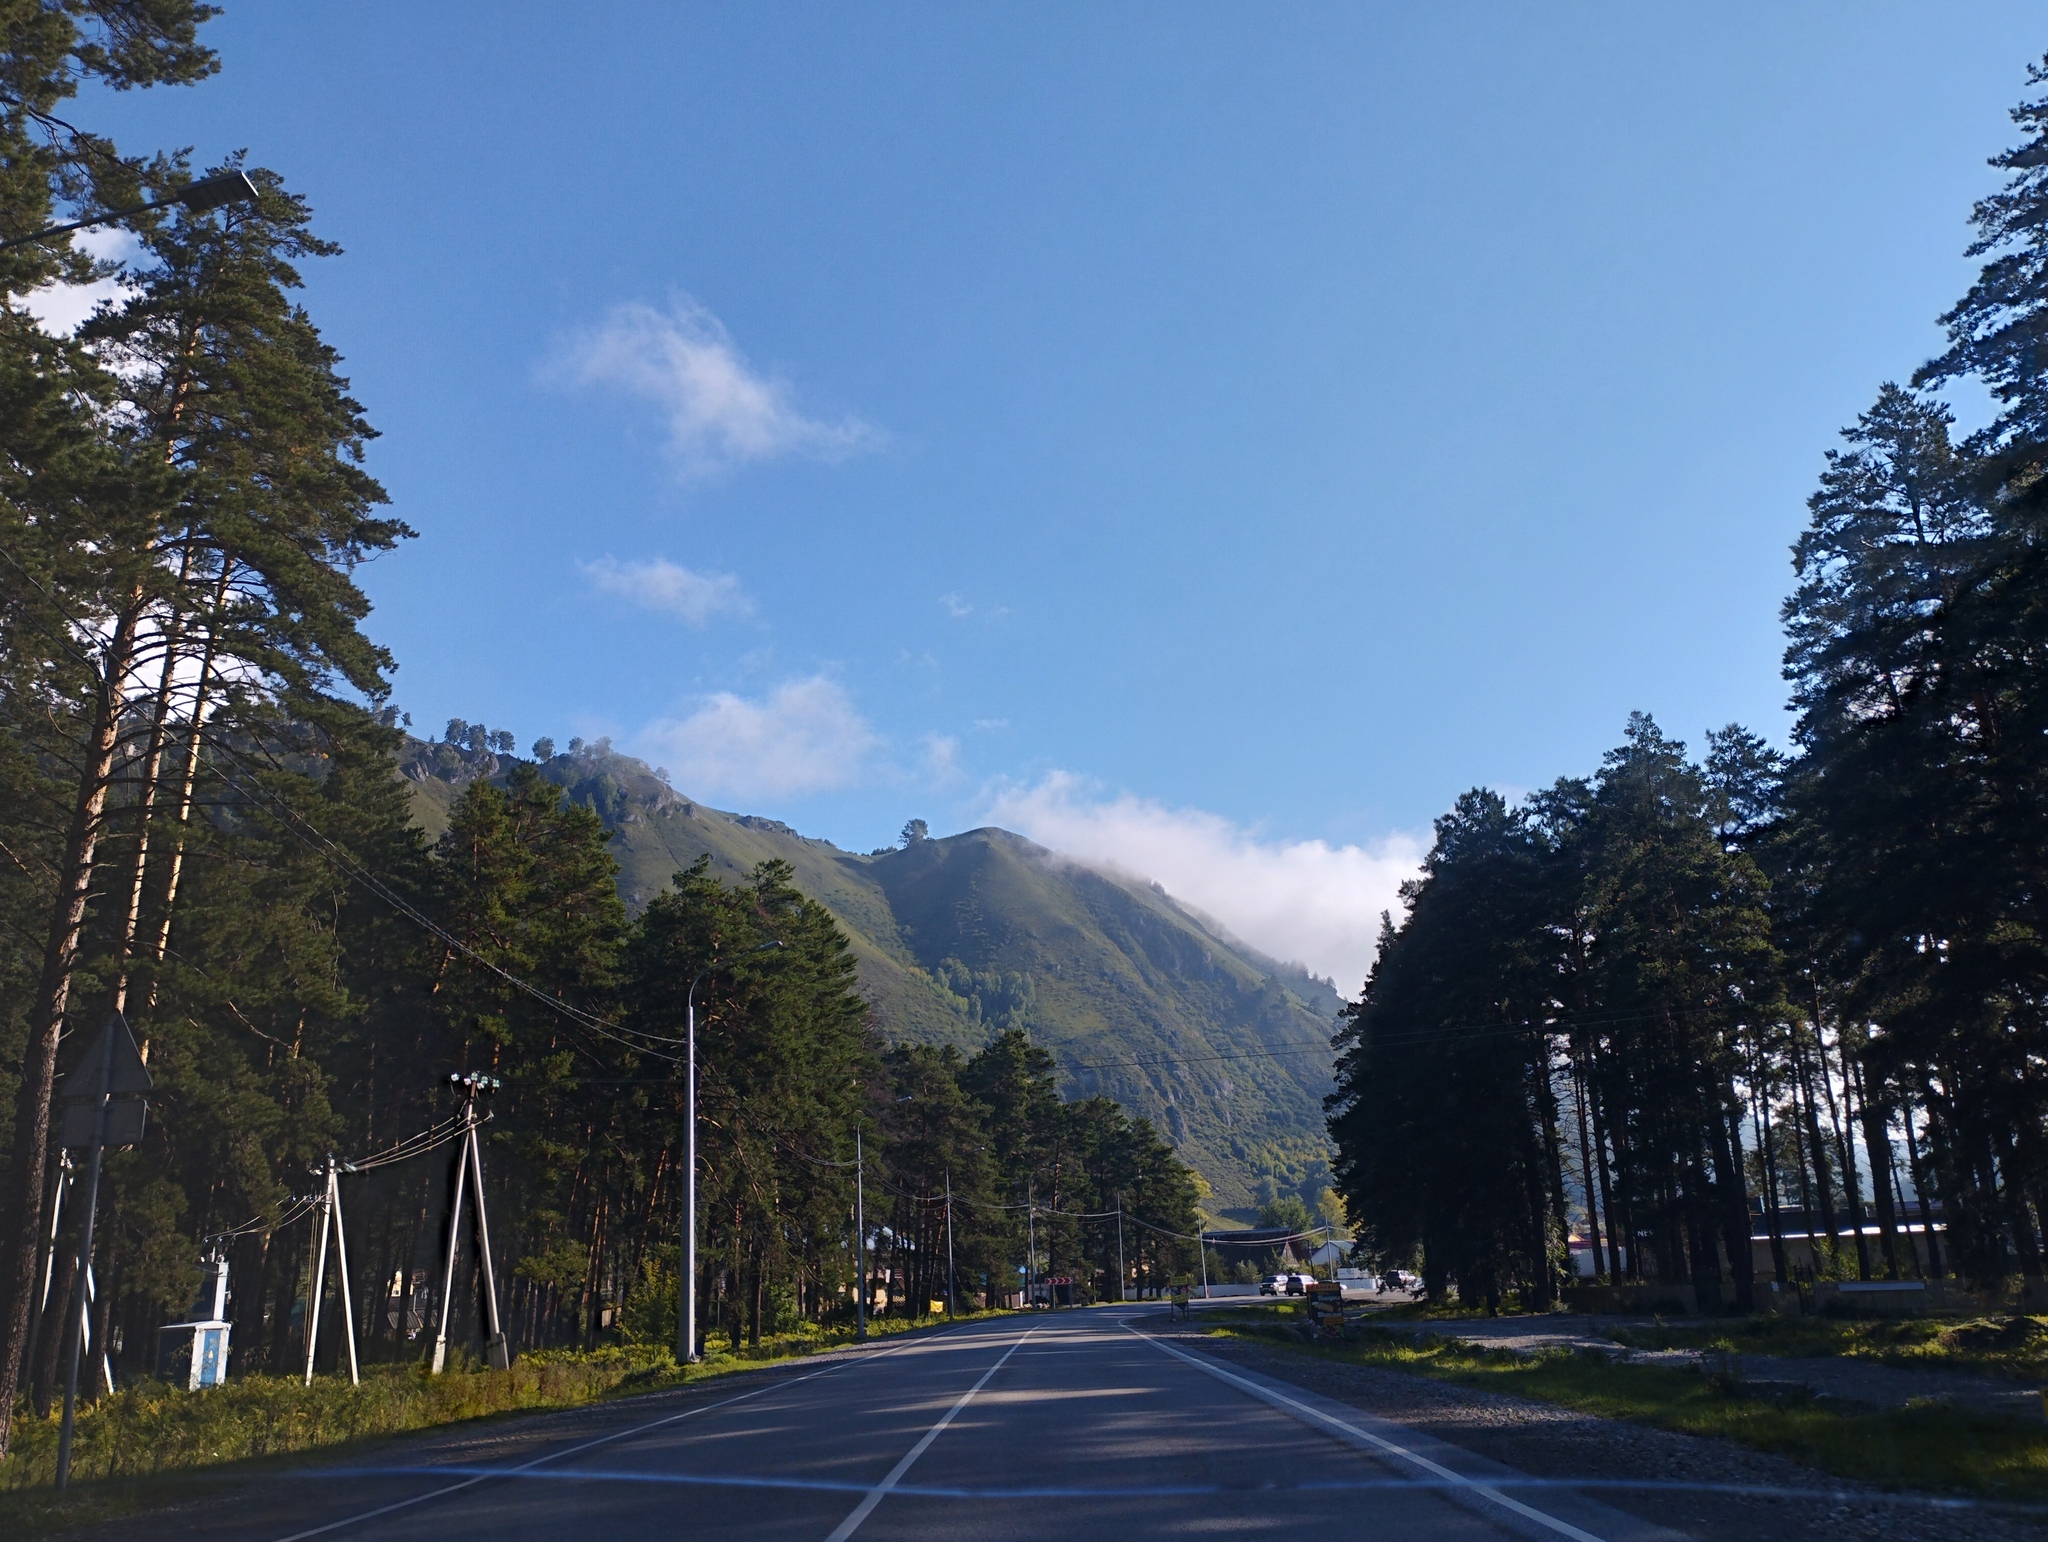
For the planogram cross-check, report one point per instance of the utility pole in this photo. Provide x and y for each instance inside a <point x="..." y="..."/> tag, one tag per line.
<point x="686" y="1308"/>
<point x="469" y="1164"/>
<point x="42" y="1306"/>
<point x="330" y="1220"/>
<point x="1202" y="1247"/>
<point x="952" y="1285"/>
<point x="860" y="1239"/>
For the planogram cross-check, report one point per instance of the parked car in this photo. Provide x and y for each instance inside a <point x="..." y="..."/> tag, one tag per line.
<point x="1297" y="1284"/>
<point x="1274" y="1285"/>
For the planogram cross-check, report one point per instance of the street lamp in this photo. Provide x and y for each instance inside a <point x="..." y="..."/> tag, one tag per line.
<point x="686" y="1314"/>
<point x="195" y="197"/>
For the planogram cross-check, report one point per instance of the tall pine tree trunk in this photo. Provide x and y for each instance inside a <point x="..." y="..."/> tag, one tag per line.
<point x="24" y="1221"/>
<point x="187" y="787"/>
<point x="1877" y="1150"/>
<point x="1593" y="1208"/>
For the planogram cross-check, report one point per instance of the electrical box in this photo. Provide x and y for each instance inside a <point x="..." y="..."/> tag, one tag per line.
<point x="195" y="1353"/>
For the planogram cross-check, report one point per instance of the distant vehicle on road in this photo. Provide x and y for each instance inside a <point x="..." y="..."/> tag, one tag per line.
<point x="1401" y="1279"/>
<point x="1283" y="1284"/>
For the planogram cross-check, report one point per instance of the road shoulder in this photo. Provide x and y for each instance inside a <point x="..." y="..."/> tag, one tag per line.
<point x="1546" y="1440"/>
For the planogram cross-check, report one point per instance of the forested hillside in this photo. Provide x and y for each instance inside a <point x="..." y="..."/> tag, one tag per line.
<point x="1137" y="999"/>
<point x="1684" y="997"/>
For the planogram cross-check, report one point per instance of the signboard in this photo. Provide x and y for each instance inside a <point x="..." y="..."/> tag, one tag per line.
<point x="1326" y="1308"/>
<point x="125" y="1120"/>
<point x="127" y="1079"/>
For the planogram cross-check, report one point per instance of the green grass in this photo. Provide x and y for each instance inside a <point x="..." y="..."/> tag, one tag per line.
<point x="1997" y="1346"/>
<point x="1425" y="1310"/>
<point x="140" y="1447"/>
<point x="1927" y="1448"/>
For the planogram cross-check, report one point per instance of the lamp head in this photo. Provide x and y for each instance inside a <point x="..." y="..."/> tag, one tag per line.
<point x="216" y="192"/>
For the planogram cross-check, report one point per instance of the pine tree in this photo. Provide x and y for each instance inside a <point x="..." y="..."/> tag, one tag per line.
<point x="52" y="399"/>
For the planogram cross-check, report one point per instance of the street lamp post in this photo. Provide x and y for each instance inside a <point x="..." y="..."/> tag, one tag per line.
<point x="686" y="1315"/>
<point x="860" y="1239"/>
<point x="860" y="1231"/>
<point x="1030" y="1240"/>
<point x="195" y="197"/>
<point x="1120" y="1277"/>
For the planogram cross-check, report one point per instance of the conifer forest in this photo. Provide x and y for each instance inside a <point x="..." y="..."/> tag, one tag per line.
<point x="1686" y="1001"/>
<point x="201" y="830"/>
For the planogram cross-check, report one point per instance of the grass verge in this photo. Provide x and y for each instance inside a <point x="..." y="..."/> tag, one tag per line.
<point x="1994" y="1346"/>
<point x="140" y="1447"/>
<point x="1928" y="1448"/>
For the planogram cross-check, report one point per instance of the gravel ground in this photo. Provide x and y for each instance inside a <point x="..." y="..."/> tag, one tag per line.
<point x="1544" y="1440"/>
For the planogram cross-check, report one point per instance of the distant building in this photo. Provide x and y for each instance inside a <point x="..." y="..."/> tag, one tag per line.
<point x="1332" y="1253"/>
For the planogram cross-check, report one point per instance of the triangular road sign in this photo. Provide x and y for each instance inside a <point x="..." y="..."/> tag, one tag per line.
<point x="129" y="1076"/>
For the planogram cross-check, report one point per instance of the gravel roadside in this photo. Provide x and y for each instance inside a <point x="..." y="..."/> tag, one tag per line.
<point x="1544" y="1440"/>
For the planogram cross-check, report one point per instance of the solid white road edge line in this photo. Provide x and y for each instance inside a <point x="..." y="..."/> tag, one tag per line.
<point x="603" y="1440"/>
<point x="874" y="1496"/>
<point x="1316" y="1415"/>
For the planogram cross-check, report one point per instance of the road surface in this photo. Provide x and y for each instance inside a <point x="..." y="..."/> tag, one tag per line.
<point x="1074" y="1425"/>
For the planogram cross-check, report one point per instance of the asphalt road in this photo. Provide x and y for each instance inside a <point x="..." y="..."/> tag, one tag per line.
<point x="1072" y="1425"/>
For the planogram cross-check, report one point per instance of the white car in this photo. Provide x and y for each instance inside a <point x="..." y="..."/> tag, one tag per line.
<point x="1283" y="1285"/>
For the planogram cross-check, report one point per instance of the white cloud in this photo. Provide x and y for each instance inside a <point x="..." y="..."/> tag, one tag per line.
<point x="942" y="758"/>
<point x="659" y="584"/>
<point x="955" y="606"/>
<point x="805" y="736"/>
<point x="1295" y="900"/>
<point x="59" y="308"/>
<point x="719" y="410"/>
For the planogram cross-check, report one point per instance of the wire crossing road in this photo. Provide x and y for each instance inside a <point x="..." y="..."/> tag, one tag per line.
<point x="1072" y="1425"/>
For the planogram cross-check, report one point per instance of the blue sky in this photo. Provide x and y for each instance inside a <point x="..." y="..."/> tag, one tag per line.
<point x="1208" y="437"/>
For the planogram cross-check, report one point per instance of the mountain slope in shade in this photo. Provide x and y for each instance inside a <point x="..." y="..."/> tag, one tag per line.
<point x="1136" y="997"/>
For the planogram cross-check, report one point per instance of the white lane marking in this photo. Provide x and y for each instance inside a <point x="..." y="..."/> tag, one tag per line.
<point x="602" y="1440"/>
<point x="1316" y="1415"/>
<point x="874" y="1496"/>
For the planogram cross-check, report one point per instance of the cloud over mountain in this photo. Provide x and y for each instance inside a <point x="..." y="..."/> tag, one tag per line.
<point x="804" y="736"/>
<point x="1295" y="900"/>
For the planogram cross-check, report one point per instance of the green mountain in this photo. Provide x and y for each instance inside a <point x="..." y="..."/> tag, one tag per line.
<point x="1136" y="996"/>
